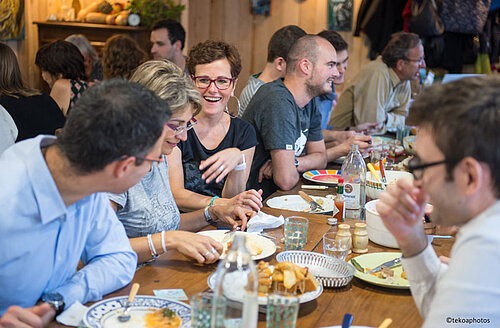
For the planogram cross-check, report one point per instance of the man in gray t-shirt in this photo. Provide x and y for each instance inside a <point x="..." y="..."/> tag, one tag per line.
<point x="287" y="120"/>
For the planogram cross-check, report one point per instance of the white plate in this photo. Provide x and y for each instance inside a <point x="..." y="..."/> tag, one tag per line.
<point x="268" y="247"/>
<point x="297" y="203"/>
<point x="240" y="284"/>
<point x="104" y="314"/>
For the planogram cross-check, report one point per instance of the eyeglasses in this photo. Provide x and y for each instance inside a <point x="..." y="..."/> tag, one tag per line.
<point x="418" y="61"/>
<point x="154" y="162"/>
<point x="417" y="168"/>
<point x="179" y="129"/>
<point x="221" y="82"/>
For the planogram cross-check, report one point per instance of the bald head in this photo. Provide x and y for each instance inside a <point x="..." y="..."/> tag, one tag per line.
<point x="308" y="46"/>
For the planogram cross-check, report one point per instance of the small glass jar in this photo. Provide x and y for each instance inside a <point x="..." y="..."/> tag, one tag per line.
<point x="360" y="238"/>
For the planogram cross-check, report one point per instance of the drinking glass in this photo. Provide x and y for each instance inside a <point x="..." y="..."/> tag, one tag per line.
<point x="335" y="246"/>
<point x="295" y="231"/>
<point x="201" y="310"/>
<point x="282" y="310"/>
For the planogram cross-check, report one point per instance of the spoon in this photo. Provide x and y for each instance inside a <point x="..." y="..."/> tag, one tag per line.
<point x="346" y="322"/>
<point x="125" y="316"/>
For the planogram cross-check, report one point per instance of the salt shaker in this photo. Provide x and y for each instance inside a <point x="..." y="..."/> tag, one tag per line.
<point x="344" y="235"/>
<point x="360" y="238"/>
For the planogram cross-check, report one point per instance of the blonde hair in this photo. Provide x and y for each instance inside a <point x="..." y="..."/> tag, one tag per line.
<point x="170" y="83"/>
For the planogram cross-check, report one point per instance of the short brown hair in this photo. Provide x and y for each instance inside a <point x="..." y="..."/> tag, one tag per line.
<point x="464" y="119"/>
<point x="305" y="47"/>
<point x="210" y="51"/>
<point x="61" y="57"/>
<point x="398" y="47"/>
<point x="121" y="56"/>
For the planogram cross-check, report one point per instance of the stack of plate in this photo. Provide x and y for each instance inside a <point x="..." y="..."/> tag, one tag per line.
<point x="331" y="272"/>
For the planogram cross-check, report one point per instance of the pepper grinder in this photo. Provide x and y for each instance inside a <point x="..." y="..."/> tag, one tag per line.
<point x="360" y="238"/>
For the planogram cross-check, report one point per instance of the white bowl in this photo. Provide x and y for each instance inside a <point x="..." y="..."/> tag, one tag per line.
<point x="377" y="232"/>
<point x="374" y="187"/>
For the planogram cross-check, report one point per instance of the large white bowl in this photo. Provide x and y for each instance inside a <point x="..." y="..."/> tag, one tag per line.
<point x="377" y="232"/>
<point x="374" y="187"/>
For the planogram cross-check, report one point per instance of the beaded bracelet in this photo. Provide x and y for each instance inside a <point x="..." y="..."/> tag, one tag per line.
<point x="152" y="247"/>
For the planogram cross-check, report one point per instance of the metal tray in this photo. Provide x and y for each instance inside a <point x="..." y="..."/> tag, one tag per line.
<point x="331" y="272"/>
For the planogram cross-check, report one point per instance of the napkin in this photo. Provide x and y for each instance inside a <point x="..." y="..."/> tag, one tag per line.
<point x="263" y="221"/>
<point x="73" y="316"/>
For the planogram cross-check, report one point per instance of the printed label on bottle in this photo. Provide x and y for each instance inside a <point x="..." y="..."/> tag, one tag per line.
<point x="351" y="195"/>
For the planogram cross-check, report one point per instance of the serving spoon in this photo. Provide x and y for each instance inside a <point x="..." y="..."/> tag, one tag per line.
<point x="125" y="316"/>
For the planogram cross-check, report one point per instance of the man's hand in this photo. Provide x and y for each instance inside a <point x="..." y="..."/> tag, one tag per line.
<point x="199" y="247"/>
<point x="37" y="316"/>
<point x="228" y="215"/>
<point x="401" y="208"/>
<point x="365" y="127"/>
<point x="266" y="171"/>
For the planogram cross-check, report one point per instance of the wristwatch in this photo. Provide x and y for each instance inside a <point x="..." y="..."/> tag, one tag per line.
<point x="55" y="300"/>
<point x="208" y="217"/>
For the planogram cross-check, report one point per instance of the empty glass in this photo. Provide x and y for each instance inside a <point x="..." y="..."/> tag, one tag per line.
<point x="295" y="231"/>
<point x="335" y="245"/>
<point x="282" y="311"/>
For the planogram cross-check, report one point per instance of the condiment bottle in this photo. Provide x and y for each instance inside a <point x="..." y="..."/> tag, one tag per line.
<point x="339" y="201"/>
<point x="360" y="238"/>
<point x="354" y="175"/>
<point x="344" y="235"/>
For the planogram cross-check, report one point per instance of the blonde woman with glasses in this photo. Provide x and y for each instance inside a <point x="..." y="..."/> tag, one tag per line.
<point x="215" y="159"/>
<point x="148" y="210"/>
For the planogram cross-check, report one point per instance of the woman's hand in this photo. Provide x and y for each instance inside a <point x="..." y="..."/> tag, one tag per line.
<point x="220" y="164"/>
<point x="229" y="214"/>
<point x="201" y="248"/>
<point x="251" y="199"/>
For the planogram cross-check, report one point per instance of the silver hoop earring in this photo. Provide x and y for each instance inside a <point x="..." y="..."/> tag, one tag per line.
<point x="239" y="105"/>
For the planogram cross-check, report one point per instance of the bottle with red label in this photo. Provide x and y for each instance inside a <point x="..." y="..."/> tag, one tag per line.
<point x="339" y="201"/>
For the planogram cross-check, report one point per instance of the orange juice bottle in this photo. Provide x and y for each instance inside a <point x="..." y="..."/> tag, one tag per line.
<point x="339" y="201"/>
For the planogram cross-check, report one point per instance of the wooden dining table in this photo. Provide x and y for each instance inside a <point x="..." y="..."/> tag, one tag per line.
<point x="369" y="304"/>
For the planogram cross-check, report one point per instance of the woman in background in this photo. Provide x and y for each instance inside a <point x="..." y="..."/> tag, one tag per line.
<point x="33" y="112"/>
<point x="121" y="56"/>
<point x="213" y="164"/>
<point x="63" y="69"/>
<point x="92" y="62"/>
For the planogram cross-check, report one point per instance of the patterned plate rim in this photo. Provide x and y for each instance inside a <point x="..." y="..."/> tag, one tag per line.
<point x="90" y="318"/>
<point x="308" y="175"/>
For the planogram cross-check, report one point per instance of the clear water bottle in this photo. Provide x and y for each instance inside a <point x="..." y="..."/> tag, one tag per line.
<point x="236" y="289"/>
<point x="354" y="175"/>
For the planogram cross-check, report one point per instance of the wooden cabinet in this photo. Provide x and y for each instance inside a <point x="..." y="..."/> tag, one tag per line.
<point x="95" y="33"/>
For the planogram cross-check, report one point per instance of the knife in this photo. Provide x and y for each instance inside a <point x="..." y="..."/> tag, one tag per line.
<point x="314" y="206"/>
<point x="316" y="187"/>
<point x="388" y="264"/>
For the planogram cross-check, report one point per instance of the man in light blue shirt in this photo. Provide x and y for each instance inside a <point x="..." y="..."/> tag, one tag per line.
<point x="53" y="214"/>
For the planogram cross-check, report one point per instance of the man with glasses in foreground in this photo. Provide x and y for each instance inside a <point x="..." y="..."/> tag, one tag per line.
<point x="457" y="171"/>
<point x="381" y="91"/>
<point x="53" y="212"/>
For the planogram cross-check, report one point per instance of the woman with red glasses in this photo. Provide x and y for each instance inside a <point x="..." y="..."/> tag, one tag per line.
<point x="215" y="159"/>
<point x="148" y="210"/>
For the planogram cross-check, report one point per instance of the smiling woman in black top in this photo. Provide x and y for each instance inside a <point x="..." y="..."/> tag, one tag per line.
<point x="34" y="112"/>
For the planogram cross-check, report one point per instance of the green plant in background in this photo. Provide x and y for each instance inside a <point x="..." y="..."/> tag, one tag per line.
<point x="151" y="11"/>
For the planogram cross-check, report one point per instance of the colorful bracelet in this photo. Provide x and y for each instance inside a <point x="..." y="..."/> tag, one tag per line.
<point x="152" y="247"/>
<point x="212" y="200"/>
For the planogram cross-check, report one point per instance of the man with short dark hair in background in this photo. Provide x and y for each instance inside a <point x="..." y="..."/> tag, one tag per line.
<point x="338" y="143"/>
<point x="456" y="170"/>
<point x="167" y="38"/>
<point x="381" y="91"/>
<point x="277" y="49"/>
<point x="54" y="213"/>
<point x="286" y="118"/>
